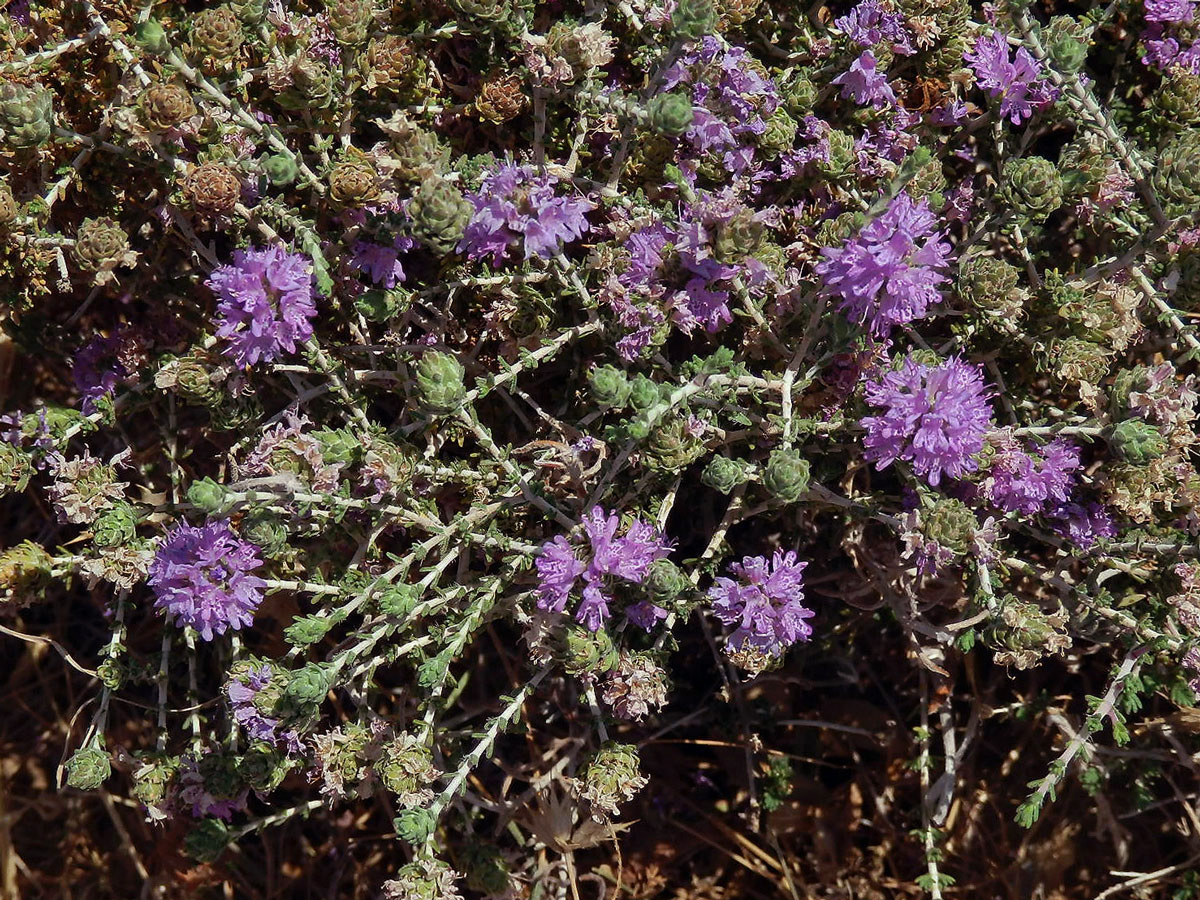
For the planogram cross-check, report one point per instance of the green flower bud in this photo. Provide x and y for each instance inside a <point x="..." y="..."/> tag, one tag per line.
<point x="425" y="878"/>
<point x="1124" y="384"/>
<point x="405" y="766"/>
<point x="87" y="768"/>
<point x="208" y="496"/>
<point x="1136" y="441"/>
<point x="799" y="94"/>
<point x="194" y="383"/>
<point x="723" y="474"/>
<point x="417" y="154"/>
<point x="440" y="387"/>
<point x="165" y="106"/>
<point x="1066" y="40"/>
<point x="951" y="523"/>
<point x="251" y="12"/>
<point x="991" y="285"/>
<point x="280" y="169"/>
<point x="671" y="445"/>
<point x="207" y="840"/>
<point x="738" y="238"/>
<point x="378" y="305"/>
<point x="780" y="133"/>
<point x="216" y="32"/>
<point x="664" y="581"/>
<point x="307" y="630"/>
<point x="643" y="393"/>
<point x="152" y="37"/>
<point x="609" y="386"/>
<point x="152" y="780"/>
<point x="612" y="777"/>
<point x="670" y="114"/>
<point x="100" y="245"/>
<point x="15" y="469"/>
<point x="263" y="768"/>
<point x="439" y="214"/>
<point x="112" y="673"/>
<point x="693" y="19"/>
<point x="1177" y="174"/>
<point x="268" y="531"/>
<point x="588" y="652"/>
<point x="1021" y="633"/>
<point x="842" y="156"/>
<point x="308" y="685"/>
<point x="9" y="207"/>
<point x="236" y="413"/>
<point x="338" y="445"/>
<point x="786" y="475"/>
<point x="351" y="20"/>
<point x="115" y="527"/>
<point x="1032" y="186"/>
<point x="24" y="567"/>
<point x="26" y="115"/>
<point x="415" y="825"/>
<point x="353" y="181"/>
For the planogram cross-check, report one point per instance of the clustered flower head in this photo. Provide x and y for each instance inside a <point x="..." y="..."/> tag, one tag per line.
<point x="202" y="577"/>
<point x="265" y="303"/>
<point x="1018" y="81"/>
<point x="603" y="561"/>
<point x="1026" y="479"/>
<point x="934" y="418"/>
<point x="890" y="272"/>
<point x="516" y="208"/>
<point x="765" y="606"/>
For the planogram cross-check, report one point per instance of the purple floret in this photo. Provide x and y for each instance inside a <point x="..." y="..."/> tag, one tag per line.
<point x="890" y="272"/>
<point x="243" y="692"/>
<point x="606" y="558"/>
<point x="265" y="303"/>
<point x="934" y="417"/>
<point x="1084" y="523"/>
<point x="1016" y="82"/>
<point x="1026" y="481"/>
<point x="765" y="604"/>
<point x="865" y="83"/>
<point x="201" y="576"/>
<point x="514" y="206"/>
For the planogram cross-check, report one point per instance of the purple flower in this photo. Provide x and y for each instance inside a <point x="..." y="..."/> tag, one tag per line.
<point x="865" y="84"/>
<point x="934" y="418"/>
<point x="202" y="577"/>
<point x="381" y="263"/>
<point x="889" y="273"/>
<point x="765" y="605"/>
<point x="1084" y="523"/>
<point x="243" y="692"/>
<point x="98" y="369"/>
<point x="1025" y="481"/>
<point x="867" y="24"/>
<point x="1174" y="11"/>
<point x="515" y="206"/>
<point x="607" y="558"/>
<point x="265" y="303"/>
<point x="1018" y="82"/>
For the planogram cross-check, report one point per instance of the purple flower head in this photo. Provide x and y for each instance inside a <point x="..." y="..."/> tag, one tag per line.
<point x="934" y="417"/>
<point x="865" y="84"/>
<point x="265" y="303"/>
<point x="889" y="273"/>
<point x="516" y="206"/>
<point x="1178" y="12"/>
<point x="606" y="558"/>
<point x="1017" y="82"/>
<point x="1084" y="523"/>
<point x="1026" y="480"/>
<point x="98" y="368"/>
<point x="765" y="605"/>
<point x="381" y="263"/>
<point x="868" y="24"/>
<point x="202" y="577"/>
